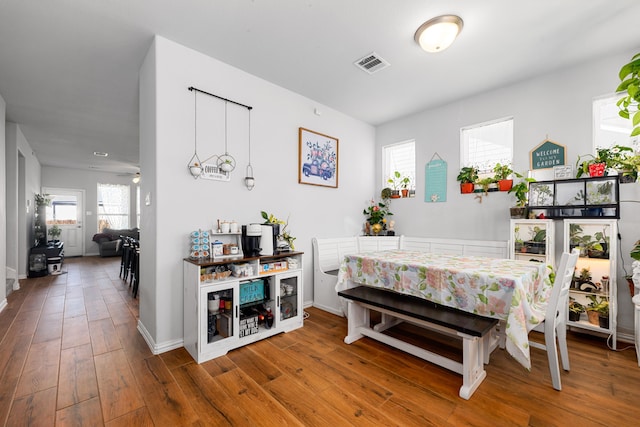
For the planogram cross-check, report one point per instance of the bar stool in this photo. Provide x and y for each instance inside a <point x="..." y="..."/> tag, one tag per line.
<point x="123" y="256"/>
<point x="136" y="271"/>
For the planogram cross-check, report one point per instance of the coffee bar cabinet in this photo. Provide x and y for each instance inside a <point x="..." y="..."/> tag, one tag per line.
<point x="594" y="283"/>
<point x="532" y="240"/>
<point x="232" y="303"/>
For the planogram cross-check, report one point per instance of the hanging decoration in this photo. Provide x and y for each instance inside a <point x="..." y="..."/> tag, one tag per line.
<point x="216" y="167"/>
<point x="435" y="180"/>
<point x="195" y="165"/>
<point x="249" y="180"/>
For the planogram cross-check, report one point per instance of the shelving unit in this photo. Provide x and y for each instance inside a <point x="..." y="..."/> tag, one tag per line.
<point x="225" y="239"/>
<point x="595" y="197"/>
<point x="532" y="240"/>
<point x="248" y="291"/>
<point x="599" y="262"/>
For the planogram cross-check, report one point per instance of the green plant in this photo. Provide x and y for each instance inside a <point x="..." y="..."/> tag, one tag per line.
<point x="635" y="251"/>
<point x="468" y="175"/>
<point x="284" y="234"/>
<point x="538" y="234"/>
<point x="576" y="307"/>
<point x="599" y="304"/>
<point x="613" y="158"/>
<point x="386" y="193"/>
<point x="502" y="171"/>
<point x="520" y="191"/>
<point x="54" y="232"/>
<point x="42" y="200"/>
<point x="376" y="213"/>
<point x="630" y="83"/>
<point x="485" y="182"/>
<point x="397" y="181"/>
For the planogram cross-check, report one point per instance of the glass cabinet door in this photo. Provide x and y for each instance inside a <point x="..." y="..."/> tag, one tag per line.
<point x="290" y="292"/>
<point x="257" y="307"/>
<point x="532" y="240"/>
<point x="218" y="314"/>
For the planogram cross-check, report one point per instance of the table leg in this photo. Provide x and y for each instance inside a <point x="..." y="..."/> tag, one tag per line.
<point x="358" y="316"/>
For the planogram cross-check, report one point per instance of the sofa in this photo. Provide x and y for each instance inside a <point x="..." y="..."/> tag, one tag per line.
<point x="110" y="243"/>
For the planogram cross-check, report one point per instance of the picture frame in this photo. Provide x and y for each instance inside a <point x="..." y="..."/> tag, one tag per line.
<point x="317" y="158"/>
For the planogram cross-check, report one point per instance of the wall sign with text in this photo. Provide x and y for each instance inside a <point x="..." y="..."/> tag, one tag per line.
<point x="547" y="155"/>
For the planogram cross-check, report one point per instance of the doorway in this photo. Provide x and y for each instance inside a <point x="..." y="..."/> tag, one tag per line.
<point x="66" y="212"/>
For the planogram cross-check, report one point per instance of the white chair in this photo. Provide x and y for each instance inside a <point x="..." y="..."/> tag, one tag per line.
<point x="555" y="319"/>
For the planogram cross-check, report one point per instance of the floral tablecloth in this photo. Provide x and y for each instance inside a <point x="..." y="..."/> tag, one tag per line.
<point x="510" y="290"/>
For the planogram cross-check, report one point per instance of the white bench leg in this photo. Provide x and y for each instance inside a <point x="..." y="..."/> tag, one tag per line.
<point x="472" y="365"/>
<point x="387" y="321"/>
<point x="358" y="316"/>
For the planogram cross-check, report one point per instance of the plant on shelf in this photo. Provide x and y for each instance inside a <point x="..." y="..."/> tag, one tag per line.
<point x="40" y="220"/>
<point x="630" y="83"/>
<point x="376" y="215"/>
<point x="398" y="181"/>
<point x="502" y="175"/>
<point x="283" y="233"/>
<point x="633" y="280"/>
<point x="583" y="281"/>
<point x="575" y="310"/>
<point x="598" y="311"/>
<point x="54" y="232"/>
<point x="605" y="159"/>
<point x="536" y="245"/>
<point x="484" y="184"/>
<point x="520" y="191"/>
<point x="467" y="177"/>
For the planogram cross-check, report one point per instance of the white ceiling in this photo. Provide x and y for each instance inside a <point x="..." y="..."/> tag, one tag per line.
<point x="69" y="69"/>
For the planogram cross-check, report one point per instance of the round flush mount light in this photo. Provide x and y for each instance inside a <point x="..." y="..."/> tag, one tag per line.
<point x="100" y="154"/>
<point x="438" y="33"/>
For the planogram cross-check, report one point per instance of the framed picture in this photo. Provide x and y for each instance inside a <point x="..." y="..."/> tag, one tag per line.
<point x="317" y="159"/>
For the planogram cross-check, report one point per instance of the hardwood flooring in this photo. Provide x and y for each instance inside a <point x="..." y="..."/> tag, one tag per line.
<point x="70" y="355"/>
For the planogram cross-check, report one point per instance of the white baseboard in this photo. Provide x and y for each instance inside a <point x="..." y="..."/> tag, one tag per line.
<point x="3" y="304"/>
<point x="158" y="348"/>
<point x="331" y="310"/>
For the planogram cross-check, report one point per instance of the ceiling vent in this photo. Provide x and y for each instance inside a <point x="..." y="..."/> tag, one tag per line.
<point x="371" y="63"/>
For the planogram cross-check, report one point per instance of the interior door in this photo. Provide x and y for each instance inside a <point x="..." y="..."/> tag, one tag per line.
<point x="66" y="211"/>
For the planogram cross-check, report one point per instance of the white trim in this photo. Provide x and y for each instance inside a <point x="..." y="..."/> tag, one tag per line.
<point x="3" y="305"/>
<point x="158" y="348"/>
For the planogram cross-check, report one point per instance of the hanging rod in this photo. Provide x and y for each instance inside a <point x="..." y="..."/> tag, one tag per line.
<point x="219" y="97"/>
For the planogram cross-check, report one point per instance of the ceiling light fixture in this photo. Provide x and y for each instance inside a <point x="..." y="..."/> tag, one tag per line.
<point x="100" y="154"/>
<point x="438" y="33"/>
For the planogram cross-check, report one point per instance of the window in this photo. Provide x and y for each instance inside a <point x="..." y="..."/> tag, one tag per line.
<point x="113" y="206"/>
<point x="63" y="209"/>
<point x="486" y="144"/>
<point x="609" y="128"/>
<point x="400" y="157"/>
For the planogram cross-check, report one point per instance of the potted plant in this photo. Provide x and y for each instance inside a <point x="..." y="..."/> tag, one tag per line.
<point x="629" y="168"/>
<point x="467" y="177"/>
<point x="630" y="83"/>
<point x="575" y="310"/>
<point x="605" y="159"/>
<point x="634" y="280"/>
<point x="537" y="244"/>
<point x="583" y="281"/>
<point x="598" y="307"/>
<point x="502" y="176"/>
<point x="396" y="182"/>
<point x="483" y="185"/>
<point x="520" y="191"/>
<point x="54" y="232"/>
<point x="404" y="183"/>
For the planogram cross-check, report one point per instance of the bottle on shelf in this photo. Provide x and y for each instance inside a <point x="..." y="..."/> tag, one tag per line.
<point x="269" y="318"/>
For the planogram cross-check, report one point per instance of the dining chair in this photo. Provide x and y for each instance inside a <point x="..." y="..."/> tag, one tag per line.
<point x="554" y="325"/>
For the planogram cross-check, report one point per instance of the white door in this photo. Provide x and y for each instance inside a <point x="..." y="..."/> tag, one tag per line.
<point x="66" y="211"/>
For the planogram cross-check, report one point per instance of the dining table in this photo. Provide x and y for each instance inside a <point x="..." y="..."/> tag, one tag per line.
<point x="516" y="292"/>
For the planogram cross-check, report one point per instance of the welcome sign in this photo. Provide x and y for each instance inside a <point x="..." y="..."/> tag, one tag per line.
<point x="547" y="155"/>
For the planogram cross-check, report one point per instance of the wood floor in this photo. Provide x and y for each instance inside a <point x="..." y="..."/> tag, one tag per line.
<point x="70" y="355"/>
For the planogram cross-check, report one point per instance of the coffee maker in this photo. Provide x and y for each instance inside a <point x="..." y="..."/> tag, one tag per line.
<point x="269" y="238"/>
<point x="251" y="240"/>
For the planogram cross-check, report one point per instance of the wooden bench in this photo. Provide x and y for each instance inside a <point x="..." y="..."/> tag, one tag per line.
<point x="473" y="330"/>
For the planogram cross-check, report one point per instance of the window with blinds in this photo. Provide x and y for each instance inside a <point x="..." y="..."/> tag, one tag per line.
<point x="486" y="144"/>
<point x="113" y="206"/>
<point x="399" y="157"/>
<point x="609" y="128"/>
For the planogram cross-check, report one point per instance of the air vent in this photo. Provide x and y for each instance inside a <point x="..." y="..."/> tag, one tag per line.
<point x="371" y="63"/>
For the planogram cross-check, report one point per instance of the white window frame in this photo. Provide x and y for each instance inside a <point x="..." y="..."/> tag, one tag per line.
<point x="485" y="169"/>
<point x="609" y="128"/>
<point x="388" y="168"/>
<point x="126" y="205"/>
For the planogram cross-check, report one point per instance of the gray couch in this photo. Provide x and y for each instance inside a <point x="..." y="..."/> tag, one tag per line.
<point x="109" y="242"/>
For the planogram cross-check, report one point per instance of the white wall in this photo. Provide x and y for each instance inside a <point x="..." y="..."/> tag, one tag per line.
<point x="3" y="208"/>
<point x="78" y="179"/>
<point x="27" y="171"/>
<point x="180" y="204"/>
<point x="555" y="106"/>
